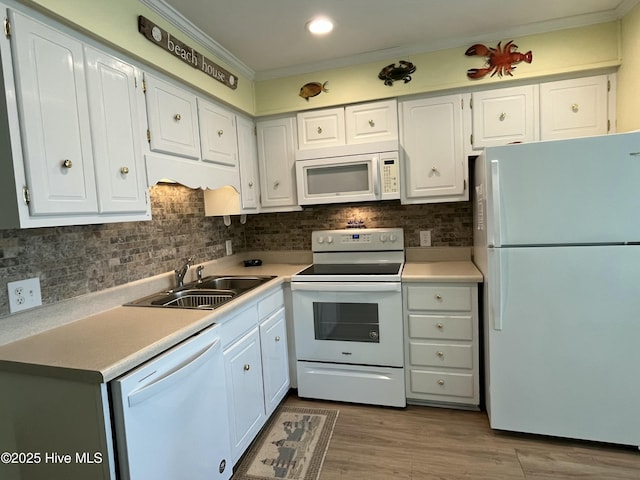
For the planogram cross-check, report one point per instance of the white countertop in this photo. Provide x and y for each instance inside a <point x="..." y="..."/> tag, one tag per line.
<point x="103" y="346"/>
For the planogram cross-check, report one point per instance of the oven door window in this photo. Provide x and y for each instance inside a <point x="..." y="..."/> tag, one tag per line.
<point x="347" y="322"/>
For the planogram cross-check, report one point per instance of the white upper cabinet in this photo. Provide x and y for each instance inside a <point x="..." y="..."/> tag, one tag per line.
<point x="218" y="139"/>
<point x="74" y="125"/>
<point x="172" y="114"/>
<point x="574" y="108"/>
<point x="505" y="115"/>
<point x="371" y="122"/>
<point x="321" y="128"/>
<point x="353" y="130"/>
<point x="276" y="146"/>
<point x="116" y="108"/>
<point x="248" y="162"/>
<point x="54" y="116"/>
<point x="434" y="163"/>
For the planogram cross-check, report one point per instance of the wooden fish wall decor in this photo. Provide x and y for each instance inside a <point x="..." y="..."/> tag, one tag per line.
<point x="391" y="73"/>
<point x="312" y="89"/>
<point x="499" y="60"/>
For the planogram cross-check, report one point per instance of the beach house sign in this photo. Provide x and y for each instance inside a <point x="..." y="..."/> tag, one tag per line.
<point x="164" y="40"/>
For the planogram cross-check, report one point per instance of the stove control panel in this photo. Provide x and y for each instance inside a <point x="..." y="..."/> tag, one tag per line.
<point x="366" y="239"/>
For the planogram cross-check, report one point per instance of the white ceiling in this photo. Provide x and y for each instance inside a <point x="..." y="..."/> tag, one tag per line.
<point x="269" y="40"/>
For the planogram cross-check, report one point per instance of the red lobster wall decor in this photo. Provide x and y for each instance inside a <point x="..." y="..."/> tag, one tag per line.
<point x="499" y="60"/>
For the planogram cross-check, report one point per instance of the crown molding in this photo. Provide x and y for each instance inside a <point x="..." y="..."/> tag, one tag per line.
<point x="175" y="18"/>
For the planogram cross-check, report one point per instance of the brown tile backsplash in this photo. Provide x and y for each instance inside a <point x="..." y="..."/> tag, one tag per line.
<point x="76" y="260"/>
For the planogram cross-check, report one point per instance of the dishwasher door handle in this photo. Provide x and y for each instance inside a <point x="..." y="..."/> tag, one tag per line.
<point x="172" y="376"/>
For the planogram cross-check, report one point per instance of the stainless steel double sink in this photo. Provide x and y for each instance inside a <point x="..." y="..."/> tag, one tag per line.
<point x="206" y="294"/>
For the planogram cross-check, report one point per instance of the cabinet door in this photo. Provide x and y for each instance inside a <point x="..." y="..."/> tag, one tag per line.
<point x="432" y="141"/>
<point x="573" y="108"/>
<point x="248" y="162"/>
<point x="507" y="115"/>
<point x="275" y="359"/>
<point x="371" y="122"/>
<point x="54" y="116"/>
<point x="244" y="391"/>
<point x="277" y="162"/>
<point x="115" y="104"/>
<point x="173" y="119"/>
<point x="218" y="139"/>
<point x="321" y="128"/>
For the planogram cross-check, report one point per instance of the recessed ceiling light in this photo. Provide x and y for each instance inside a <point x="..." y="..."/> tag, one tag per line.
<point x="319" y="26"/>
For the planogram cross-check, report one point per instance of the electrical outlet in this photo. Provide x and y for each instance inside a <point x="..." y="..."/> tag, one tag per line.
<point x="425" y="238"/>
<point x="24" y="294"/>
<point x="229" y="247"/>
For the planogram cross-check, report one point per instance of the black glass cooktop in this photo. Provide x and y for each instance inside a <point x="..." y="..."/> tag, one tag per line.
<point x="352" y="269"/>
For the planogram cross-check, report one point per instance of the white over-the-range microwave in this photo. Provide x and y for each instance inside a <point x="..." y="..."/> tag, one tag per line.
<point x="353" y="178"/>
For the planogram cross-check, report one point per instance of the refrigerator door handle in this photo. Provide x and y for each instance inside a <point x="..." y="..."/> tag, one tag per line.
<point x="494" y="231"/>
<point x="495" y="291"/>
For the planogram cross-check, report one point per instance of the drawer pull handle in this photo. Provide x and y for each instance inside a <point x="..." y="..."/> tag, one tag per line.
<point x="502" y="116"/>
<point x="178" y="117"/>
<point x="575" y="108"/>
<point x="372" y="123"/>
<point x="438" y="296"/>
<point x="440" y="382"/>
<point x="246" y="367"/>
<point x="319" y="129"/>
<point x="440" y="326"/>
<point x="277" y="338"/>
<point x="440" y="354"/>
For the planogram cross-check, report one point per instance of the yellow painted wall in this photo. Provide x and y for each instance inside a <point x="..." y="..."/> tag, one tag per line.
<point x="115" y="22"/>
<point x="629" y="74"/>
<point x="555" y="53"/>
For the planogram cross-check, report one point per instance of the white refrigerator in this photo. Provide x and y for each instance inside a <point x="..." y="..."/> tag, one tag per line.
<point x="557" y="238"/>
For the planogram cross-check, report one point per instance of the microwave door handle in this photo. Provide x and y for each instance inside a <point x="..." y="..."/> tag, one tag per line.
<point x="375" y="172"/>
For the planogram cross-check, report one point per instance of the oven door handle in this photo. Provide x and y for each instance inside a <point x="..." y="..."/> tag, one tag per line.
<point x="347" y="287"/>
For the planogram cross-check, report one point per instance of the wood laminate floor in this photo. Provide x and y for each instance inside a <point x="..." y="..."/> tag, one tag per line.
<point x="428" y="443"/>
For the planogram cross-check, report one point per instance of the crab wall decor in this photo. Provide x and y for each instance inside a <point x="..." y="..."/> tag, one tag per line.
<point x="403" y="71"/>
<point x="499" y="60"/>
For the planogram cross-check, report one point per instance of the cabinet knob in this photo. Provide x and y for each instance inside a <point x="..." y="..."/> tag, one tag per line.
<point x="502" y="116"/>
<point x="276" y="184"/>
<point x="440" y="354"/>
<point x="250" y="184"/>
<point x="434" y="169"/>
<point x="67" y="163"/>
<point x="438" y="296"/>
<point x="372" y="123"/>
<point x="124" y="170"/>
<point x="575" y="107"/>
<point x="319" y="129"/>
<point x="178" y="117"/>
<point x="246" y="367"/>
<point x="440" y="382"/>
<point x="220" y="132"/>
<point x="277" y="338"/>
<point x="440" y="326"/>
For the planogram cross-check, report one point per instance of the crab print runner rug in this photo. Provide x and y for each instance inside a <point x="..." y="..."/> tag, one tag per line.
<point x="292" y="446"/>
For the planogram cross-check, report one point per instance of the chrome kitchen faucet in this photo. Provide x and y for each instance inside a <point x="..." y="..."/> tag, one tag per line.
<point x="181" y="272"/>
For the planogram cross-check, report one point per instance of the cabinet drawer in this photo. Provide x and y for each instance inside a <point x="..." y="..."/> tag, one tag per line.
<point x="446" y="327"/>
<point x="270" y="304"/>
<point x="441" y="355"/>
<point x="438" y="383"/>
<point x="236" y="326"/>
<point x="438" y="297"/>
<point x="371" y="122"/>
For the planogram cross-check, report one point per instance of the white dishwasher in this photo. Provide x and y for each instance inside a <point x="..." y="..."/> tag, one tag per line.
<point x="170" y="414"/>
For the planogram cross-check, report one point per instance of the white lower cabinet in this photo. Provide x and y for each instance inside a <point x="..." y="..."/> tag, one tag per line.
<point x="275" y="359"/>
<point x="256" y="367"/>
<point x="442" y="344"/>
<point x="243" y="369"/>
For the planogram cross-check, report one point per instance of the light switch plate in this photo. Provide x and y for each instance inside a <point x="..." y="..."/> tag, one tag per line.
<point x="425" y="238"/>
<point x="24" y="294"/>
